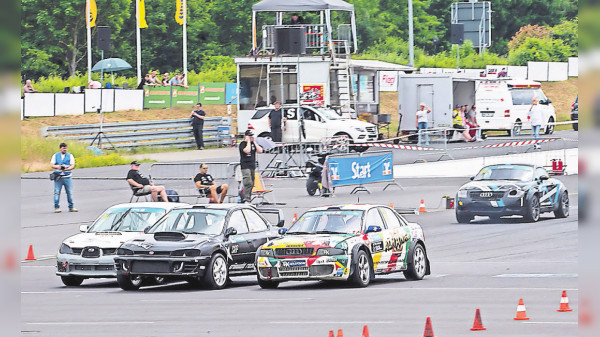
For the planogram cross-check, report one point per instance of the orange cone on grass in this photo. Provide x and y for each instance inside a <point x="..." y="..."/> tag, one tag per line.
<point x="422" y="207"/>
<point x="428" y="329"/>
<point x="521" y="314"/>
<point x="564" y="303"/>
<point x="477" y="325"/>
<point x="365" y="331"/>
<point x="30" y="256"/>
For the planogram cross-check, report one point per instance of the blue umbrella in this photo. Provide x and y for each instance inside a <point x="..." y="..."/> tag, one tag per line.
<point x="110" y="65"/>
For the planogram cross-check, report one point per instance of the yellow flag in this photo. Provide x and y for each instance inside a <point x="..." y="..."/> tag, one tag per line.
<point x="93" y="12"/>
<point x="179" y="12"/>
<point x="142" y="14"/>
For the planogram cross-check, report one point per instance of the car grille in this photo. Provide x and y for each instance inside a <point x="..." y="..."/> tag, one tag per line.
<point x="486" y="195"/>
<point x="109" y="251"/>
<point x="84" y="267"/>
<point x="147" y="252"/>
<point x="77" y="251"/>
<point x="91" y="252"/>
<point x="264" y="271"/>
<point x="320" y="270"/>
<point x="150" y="267"/>
<point x="293" y="271"/>
<point x="294" y="251"/>
<point x="371" y="129"/>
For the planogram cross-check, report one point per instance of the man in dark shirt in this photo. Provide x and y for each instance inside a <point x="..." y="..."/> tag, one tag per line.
<point x="207" y="184"/>
<point x="198" y="125"/>
<point x="277" y="122"/>
<point x="261" y="102"/>
<point x="296" y="20"/>
<point x="248" y="150"/>
<point x="142" y="185"/>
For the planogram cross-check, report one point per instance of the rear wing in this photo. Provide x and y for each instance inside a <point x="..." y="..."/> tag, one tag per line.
<point x="273" y="215"/>
<point x="407" y="210"/>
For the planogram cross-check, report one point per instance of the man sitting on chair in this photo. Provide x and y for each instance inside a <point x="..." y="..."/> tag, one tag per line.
<point x="207" y="184"/>
<point x="142" y="185"/>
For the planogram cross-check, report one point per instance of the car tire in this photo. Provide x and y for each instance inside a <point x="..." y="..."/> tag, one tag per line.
<point x="71" y="281"/>
<point x="563" y="206"/>
<point x="463" y="217"/>
<point x="533" y="210"/>
<point x="417" y="264"/>
<point x="550" y="128"/>
<point x="126" y="282"/>
<point x="576" y="126"/>
<point x="516" y="129"/>
<point x="361" y="275"/>
<point x="265" y="284"/>
<point x="217" y="272"/>
<point x="311" y="186"/>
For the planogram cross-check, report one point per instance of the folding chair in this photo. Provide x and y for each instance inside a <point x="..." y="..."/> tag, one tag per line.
<point x="259" y="192"/>
<point x="138" y="195"/>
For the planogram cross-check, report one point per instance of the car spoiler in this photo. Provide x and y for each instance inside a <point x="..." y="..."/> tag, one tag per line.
<point x="407" y="210"/>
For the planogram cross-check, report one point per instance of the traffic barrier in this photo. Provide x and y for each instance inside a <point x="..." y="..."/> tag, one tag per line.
<point x="365" y="332"/>
<point x="428" y="328"/>
<point x="564" y="303"/>
<point x="30" y="256"/>
<point x="420" y="148"/>
<point x="477" y="324"/>
<point x="422" y="207"/>
<point x="521" y="312"/>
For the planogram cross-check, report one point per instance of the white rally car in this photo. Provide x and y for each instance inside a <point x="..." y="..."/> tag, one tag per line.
<point x="91" y="254"/>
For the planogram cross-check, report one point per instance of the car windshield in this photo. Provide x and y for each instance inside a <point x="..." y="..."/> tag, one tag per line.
<point x="127" y="219"/>
<point x="192" y="221"/>
<point x="328" y="222"/>
<point x="329" y="113"/>
<point x="505" y="172"/>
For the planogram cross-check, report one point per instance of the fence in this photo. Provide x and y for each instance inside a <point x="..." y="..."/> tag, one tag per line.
<point x="169" y="132"/>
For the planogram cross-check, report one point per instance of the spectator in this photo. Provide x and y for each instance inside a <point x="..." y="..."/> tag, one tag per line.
<point x="197" y="116"/>
<point x="261" y="102"/>
<point x="145" y="81"/>
<point x="296" y="20"/>
<point x="422" y="123"/>
<point x="94" y="84"/>
<point x="277" y="122"/>
<point x="141" y="184"/>
<point x="457" y="123"/>
<point x="472" y="122"/>
<point x="28" y="87"/>
<point x="248" y="150"/>
<point x="175" y="81"/>
<point x="165" y="80"/>
<point x="535" y="116"/>
<point x="182" y="79"/>
<point x="154" y="79"/>
<point x="63" y="163"/>
<point x="207" y="184"/>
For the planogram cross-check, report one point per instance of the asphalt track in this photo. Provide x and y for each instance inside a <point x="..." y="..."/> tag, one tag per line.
<point x="483" y="265"/>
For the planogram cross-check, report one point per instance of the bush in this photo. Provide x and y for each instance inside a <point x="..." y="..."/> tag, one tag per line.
<point x="534" y="49"/>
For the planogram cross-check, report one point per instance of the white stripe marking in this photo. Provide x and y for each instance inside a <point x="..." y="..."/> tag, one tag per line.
<point x="235" y="300"/>
<point x="549" y="322"/>
<point x="536" y="275"/>
<point x="86" y="323"/>
<point x="332" y="322"/>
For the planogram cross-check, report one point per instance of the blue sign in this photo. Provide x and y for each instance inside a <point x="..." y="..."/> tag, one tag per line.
<point x="346" y="171"/>
<point x="231" y="93"/>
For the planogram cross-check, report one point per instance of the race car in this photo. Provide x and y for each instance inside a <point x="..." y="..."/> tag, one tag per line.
<point x="511" y="189"/>
<point x="344" y="243"/>
<point x="202" y="244"/>
<point x="90" y="254"/>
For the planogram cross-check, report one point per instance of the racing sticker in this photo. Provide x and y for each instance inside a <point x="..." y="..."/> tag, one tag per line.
<point x="293" y="263"/>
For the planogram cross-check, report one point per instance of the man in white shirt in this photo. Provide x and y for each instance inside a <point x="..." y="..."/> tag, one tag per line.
<point x="535" y="116"/>
<point x="63" y="162"/>
<point x="421" y="123"/>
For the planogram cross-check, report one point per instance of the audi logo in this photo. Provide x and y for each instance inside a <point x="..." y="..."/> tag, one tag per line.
<point x="91" y="250"/>
<point x="486" y="194"/>
<point x="292" y="251"/>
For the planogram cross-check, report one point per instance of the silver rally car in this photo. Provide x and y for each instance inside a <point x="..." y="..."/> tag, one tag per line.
<point x="511" y="189"/>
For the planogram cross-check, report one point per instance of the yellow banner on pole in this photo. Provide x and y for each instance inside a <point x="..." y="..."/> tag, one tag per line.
<point x="93" y="12"/>
<point x="142" y="14"/>
<point x="179" y="12"/>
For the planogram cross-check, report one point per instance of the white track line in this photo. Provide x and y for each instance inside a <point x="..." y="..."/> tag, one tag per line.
<point x="550" y="323"/>
<point x="536" y="275"/>
<point x="86" y="323"/>
<point x="332" y="322"/>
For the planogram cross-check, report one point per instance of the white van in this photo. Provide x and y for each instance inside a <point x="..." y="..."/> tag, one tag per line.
<point x="504" y="105"/>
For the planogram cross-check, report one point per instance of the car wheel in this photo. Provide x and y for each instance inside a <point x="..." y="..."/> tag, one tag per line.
<point x="265" y="284"/>
<point x="563" y="207"/>
<point x="576" y="126"/>
<point x="463" y="217"/>
<point x="417" y="264"/>
<point x="128" y="282"/>
<point x="361" y="277"/>
<point x="550" y="128"/>
<point x="311" y="186"/>
<point x="217" y="272"/>
<point x="71" y="281"/>
<point x="533" y="210"/>
<point x="516" y="129"/>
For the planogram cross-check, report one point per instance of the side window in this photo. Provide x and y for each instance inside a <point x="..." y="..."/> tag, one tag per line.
<point x="255" y="222"/>
<point x="374" y="219"/>
<point x="238" y="222"/>
<point x="522" y="97"/>
<point x="318" y="117"/>
<point x="390" y="218"/>
<point x="541" y="172"/>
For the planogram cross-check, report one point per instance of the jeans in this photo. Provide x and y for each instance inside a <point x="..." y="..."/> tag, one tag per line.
<point x="536" y="131"/>
<point x="58" y="184"/>
<point x="248" y="182"/>
<point x="422" y="127"/>
<point x="197" y="129"/>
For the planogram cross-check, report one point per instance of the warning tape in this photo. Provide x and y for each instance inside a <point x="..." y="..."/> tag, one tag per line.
<point x="420" y="148"/>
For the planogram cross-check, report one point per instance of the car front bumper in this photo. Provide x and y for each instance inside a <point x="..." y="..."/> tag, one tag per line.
<point x="162" y="266"/>
<point x="303" y="268"/>
<point x="499" y="207"/>
<point x="75" y="265"/>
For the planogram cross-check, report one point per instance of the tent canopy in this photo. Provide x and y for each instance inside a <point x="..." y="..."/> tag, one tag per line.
<point x="301" y="6"/>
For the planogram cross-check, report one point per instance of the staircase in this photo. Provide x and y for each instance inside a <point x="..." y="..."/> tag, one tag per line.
<point x="343" y="71"/>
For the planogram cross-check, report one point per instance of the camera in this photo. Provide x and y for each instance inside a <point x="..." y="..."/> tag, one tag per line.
<point x="63" y="167"/>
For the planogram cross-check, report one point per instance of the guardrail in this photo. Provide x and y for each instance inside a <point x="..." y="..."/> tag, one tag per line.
<point x="169" y="132"/>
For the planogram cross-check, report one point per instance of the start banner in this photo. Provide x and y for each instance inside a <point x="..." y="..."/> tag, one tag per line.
<point x="365" y="169"/>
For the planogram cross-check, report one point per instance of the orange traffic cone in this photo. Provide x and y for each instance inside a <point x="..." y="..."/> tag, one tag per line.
<point x="428" y="329"/>
<point x="365" y="331"/>
<point x="391" y="205"/>
<point x="340" y="333"/>
<point x="422" y="207"/>
<point x="295" y="218"/>
<point x="521" y="314"/>
<point x="477" y="325"/>
<point x="331" y="333"/>
<point x="564" y="303"/>
<point x="30" y="256"/>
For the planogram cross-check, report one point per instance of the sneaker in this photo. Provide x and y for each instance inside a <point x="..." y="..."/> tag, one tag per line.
<point x="73" y="210"/>
<point x="201" y="148"/>
<point x="57" y="210"/>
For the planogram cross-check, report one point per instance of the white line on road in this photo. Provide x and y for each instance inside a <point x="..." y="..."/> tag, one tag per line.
<point x="62" y="292"/>
<point x="332" y="322"/>
<point x="469" y="289"/>
<point x="535" y="275"/>
<point x="85" y="323"/>
<point x="235" y="300"/>
<point x="549" y="322"/>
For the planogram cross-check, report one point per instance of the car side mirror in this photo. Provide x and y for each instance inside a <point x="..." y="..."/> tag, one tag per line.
<point x="373" y="229"/>
<point x="83" y="228"/>
<point x="282" y="231"/>
<point x="542" y="178"/>
<point x="230" y="231"/>
<point x="281" y="223"/>
<point x="147" y="229"/>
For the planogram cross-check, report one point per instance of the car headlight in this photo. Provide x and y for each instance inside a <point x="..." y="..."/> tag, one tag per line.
<point x="64" y="249"/>
<point x="124" y="251"/>
<point x="462" y="194"/>
<point x="360" y="129"/>
<point x="266" y="252"/>
<point x="330" y="251"/>
<point x="187" y="253"/>
<point x="515" y="193"/>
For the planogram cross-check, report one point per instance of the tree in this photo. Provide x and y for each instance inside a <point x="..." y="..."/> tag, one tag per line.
<point x="536" y="49"/>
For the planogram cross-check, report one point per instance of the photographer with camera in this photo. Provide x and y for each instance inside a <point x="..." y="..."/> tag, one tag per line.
<point x="62" y="162"/>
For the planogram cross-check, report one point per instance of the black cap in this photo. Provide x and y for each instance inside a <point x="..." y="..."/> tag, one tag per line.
<point x="249" y="133"/>
<point x="135" y="163"/>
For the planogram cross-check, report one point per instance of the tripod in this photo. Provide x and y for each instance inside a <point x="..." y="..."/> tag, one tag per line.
<point x="100" y="134"/>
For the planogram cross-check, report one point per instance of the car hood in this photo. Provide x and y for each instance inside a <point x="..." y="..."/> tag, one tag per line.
<point x="309" y="240"/>
<point x="100" y="239"/>
<point x="495" y="185"/>
<point x="166" y="241"/>
<point x="354" y="123"/>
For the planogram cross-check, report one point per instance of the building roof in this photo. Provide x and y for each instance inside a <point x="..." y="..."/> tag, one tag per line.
<point x="301" y="5"/>
<point x="379" y="65"/>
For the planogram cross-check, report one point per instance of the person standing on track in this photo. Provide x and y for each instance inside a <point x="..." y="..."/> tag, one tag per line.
<point x="535" y="117"/>
<point x="422" y="124"/>
<point x="198" y="125"/>
<point x="63" y="163"/>
<point x="248" y="150"/>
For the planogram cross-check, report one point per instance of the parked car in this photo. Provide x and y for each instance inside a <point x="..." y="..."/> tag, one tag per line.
<point x="344" y="243"/>
<point x="90" y="254"/>
<point x="575" y="113"/>
<point x="511" y="189"/>
<point x="202" y="244"/>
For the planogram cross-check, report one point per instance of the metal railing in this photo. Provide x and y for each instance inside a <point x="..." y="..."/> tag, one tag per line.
<point x="316" y="36"/>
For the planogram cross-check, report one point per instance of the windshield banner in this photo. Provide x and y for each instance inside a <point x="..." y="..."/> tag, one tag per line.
<point x="366" y="169"/>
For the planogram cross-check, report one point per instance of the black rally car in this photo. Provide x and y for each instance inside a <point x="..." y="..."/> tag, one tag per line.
<point x="511" y="189"/>
<point x="203" y="244"/>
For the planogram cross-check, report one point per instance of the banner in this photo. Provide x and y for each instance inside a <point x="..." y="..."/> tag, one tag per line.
<point x="93" y="12"/>
<point x="313" y="94"/>
<point x="142" y="14"/>
<point x="388" y="81"/>
<point x="181" y="96"/>
<point x="179" y="12"/>
<point x="231" y="93"/>
<point x="367" y="169"/>
<point x="212" y="93"/>
<point x="159" y="97"/>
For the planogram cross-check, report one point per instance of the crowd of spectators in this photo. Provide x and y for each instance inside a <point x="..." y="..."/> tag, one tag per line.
<point x="152" y="80"/>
